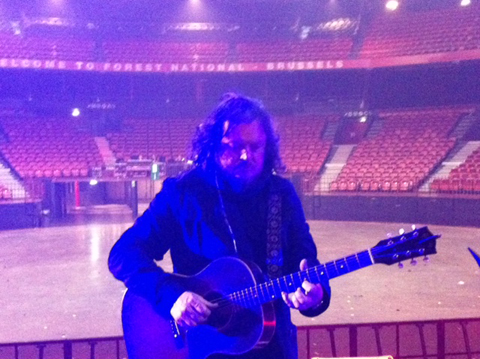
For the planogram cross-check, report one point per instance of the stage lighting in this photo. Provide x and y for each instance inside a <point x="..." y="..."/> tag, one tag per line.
<point x="304" y="32"/>
<point x="391" y="5"/>
<point x="465" y="2"/>
<point x="76" y="112"/>
<point x="93" y="182"/>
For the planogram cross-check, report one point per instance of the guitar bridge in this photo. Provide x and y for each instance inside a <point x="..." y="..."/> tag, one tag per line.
<point x="177" y="335"/>
<point x="175" y="329"/>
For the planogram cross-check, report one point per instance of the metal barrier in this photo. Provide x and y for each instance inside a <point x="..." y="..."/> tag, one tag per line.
<point x="440" y="186"/>
<point x="440" y="339"/>
<point x="436" y="339"/>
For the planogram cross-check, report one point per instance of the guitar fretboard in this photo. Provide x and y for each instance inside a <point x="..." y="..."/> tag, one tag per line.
<point x="271" y="290"/>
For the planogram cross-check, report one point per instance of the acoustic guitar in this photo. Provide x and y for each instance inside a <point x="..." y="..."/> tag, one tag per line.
<point x="244" y="318"/>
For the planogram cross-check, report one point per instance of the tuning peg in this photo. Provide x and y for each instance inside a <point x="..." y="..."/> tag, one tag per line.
<point x="413" y="262"/>
<point x="400" y="265"/>
<point x="401" y="231"/>
<point x="389" y="235"/>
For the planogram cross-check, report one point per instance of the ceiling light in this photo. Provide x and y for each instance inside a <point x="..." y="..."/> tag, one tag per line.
<point x="391" y="5"/>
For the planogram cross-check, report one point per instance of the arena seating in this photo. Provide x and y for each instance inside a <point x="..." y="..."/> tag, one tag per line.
<point x="465" y="178"/>
<point x="409" y="147"/>
<point x="301" y="146"/>
<point x="308" y="50"/>
<point x="423" y="32"/>
<point x="153" y="138"/>
<point x="388" y="35"/>
<point x="169" y="52"/>
<point x="46" y="148"/>
<point x="302" y="149"/>
<point x="43" y="48"/>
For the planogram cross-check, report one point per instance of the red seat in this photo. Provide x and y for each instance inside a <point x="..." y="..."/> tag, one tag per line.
<point x="374" y="186"/>
<point x="334" y="186"/>
<point x="365" y="186"/>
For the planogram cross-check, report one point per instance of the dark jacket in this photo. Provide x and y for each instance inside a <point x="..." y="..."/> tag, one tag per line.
<point x="186" y="217"/>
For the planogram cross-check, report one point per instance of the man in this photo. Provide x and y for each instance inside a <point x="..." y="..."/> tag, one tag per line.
<point x="221" y="208"/>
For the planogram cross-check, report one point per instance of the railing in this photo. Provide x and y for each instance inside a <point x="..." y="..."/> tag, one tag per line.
<point x="436" y="339"/>
<point x="438" y="187"/>
<point x="21" y="191"/>
<point x="95" y="348"/>
<point x="439" y="339"/>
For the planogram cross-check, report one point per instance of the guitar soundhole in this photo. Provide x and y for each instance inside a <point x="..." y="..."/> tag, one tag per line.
<point x="222" y="315"/>
<point x="229" y="318"/>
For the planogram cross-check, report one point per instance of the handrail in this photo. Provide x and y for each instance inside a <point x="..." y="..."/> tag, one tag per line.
<point x="434" y="341"/>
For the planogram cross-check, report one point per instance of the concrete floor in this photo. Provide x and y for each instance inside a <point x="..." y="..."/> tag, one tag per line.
<point x="55" y="283"/>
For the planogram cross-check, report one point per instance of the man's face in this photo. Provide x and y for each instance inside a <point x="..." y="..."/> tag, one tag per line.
<point x="242" y="152"/>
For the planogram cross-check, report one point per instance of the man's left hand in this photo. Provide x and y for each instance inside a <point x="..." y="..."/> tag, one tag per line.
<point x="307" y="297"/>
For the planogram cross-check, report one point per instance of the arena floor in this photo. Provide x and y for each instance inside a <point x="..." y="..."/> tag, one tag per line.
<point x="56" y="285"/>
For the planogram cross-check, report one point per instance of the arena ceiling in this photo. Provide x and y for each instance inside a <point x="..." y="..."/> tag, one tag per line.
<point x="200" y="10"/>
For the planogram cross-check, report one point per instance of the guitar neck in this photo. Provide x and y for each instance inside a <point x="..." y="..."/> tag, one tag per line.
<point x="271" y="290"/>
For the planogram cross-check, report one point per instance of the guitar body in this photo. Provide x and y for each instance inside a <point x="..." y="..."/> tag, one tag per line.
<point x="230" y="329"/>
<point x="239" y="323"/>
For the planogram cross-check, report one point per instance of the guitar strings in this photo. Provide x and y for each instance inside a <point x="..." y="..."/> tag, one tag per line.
<point x="252" y="294"/>
<point x="255" y="293"/>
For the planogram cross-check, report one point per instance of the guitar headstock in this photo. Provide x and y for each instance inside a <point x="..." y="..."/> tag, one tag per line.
<point x="417" y="243"/>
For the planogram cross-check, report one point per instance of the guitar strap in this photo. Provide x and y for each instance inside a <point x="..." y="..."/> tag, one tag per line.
<point x="274" y="238"/>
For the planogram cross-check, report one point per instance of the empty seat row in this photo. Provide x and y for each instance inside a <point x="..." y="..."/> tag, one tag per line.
<point x="434" y="31"/>
<point x="407" y="149"/>
<point x="48" y="148"/>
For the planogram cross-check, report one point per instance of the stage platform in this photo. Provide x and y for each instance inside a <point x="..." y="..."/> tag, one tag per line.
<point x="56" y="284"/>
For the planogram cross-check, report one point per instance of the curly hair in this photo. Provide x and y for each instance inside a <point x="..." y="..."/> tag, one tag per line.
<point x="237" y="109"/>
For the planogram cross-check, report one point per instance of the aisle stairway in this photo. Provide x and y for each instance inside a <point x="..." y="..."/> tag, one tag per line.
<point x="104" y="148"/>
<point x="451" y="163"/>
<point x="13" y="186"/>
<point x="334" y="166"/>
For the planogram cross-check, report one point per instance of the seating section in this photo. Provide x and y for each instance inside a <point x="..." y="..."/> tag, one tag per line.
<point x="47" y="148"/>
<point x="387" y="35"/>
<point x="153" y="138"/>
<point x="465" y="178"/>
<point x="308" y="50"/>
<point x="43" y="48"/>
<point x="169" y="52"/>
<point x="301" y="147"/>
<point x="409" y="147"/>
<point x="406" y="150"/>
<point x="424" y="32"/>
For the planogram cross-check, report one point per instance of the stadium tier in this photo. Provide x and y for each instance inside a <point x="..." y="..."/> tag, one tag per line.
<point x="301" y="146"/>
<point x="408" y="148"/>
<point x="465" y="178"/>
<point x="308" y="50"/>
<point x="153" y="138"/>
<point x="44" y="48"/>
<point x="150" y="51"/>
<point x="435" y="31"/>
<point x="386" y="35"/>
<point x="46" y="148"/>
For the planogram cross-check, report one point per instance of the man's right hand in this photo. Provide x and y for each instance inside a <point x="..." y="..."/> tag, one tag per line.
<point x="191" y="309"/>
